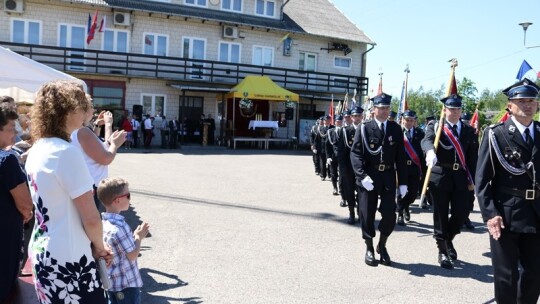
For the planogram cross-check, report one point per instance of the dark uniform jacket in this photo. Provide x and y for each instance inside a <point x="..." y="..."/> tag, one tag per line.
<point x="519" y="215"/>
<point x="442" y="173"/>
<point x="345" y="145"/>
<point x="364" y="163"/>
<point x="412" y="168"/>
<point x="320" y="139"/>
<point x="332" y="148"/>
<point x="313" y="134"/>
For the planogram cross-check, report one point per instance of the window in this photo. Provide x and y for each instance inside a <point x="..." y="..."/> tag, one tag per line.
<point x="195" y="48"/>
<point x="153" y="104"/>
<point x="196" y="2"/>
<point x="307" y="62"/>
<point x="263" y="56"/>
<point x="155" y="44"/>
<point x="342" y="62"/>
<point x="232" y="5"/>
<point x="229" y="52"/>
<point x="115" y="41"/>
<point x="73" y="36"/>
<point x="26" y="31"/>
<point x="306" y="110"/>
<point x="108" y="95"/>
<point x="265" y="8"/>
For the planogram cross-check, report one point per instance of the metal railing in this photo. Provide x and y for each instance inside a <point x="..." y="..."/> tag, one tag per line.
<point x="184" y="70"/>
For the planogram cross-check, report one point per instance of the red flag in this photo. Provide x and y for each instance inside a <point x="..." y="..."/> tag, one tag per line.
<point x="474" y="120"/>
<point x="92" y="29"/>
<point x="147" y="40"/>
<point x="331" y="112"/>
<point x="538" y="75"/>
<point x="505" y="117"/>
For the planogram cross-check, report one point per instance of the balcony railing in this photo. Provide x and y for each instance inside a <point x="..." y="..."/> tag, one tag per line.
<point x="207" y="72"/>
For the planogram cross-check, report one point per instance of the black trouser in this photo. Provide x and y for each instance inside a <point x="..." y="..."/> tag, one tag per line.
<point x="173" y="138"/>
<point x="347" y="183"/>
<point x="334" y="172"/>
<point x="507" y="253"/>
<point x="316" y="163"/>
<point x="322" y="163"/>
<point x="135" y="134"/>
<point x="413" y="183"/>
<point x="164" y="138"/>
<point x="367" y="206"/>
<point x="444" y="227"/>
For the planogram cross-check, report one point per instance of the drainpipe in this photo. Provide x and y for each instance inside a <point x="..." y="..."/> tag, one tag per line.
<point x="363" y="60"/>
<point x="281" y="9"/>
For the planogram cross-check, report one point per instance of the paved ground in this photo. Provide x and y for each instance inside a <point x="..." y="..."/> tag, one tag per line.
<point x="247" y="226"/>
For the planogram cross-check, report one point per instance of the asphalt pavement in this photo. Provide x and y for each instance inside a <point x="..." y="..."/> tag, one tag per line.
<point x="252" y="226"/>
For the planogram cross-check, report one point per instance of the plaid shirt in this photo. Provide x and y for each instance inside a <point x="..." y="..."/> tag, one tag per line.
<point x="123" y="273"/>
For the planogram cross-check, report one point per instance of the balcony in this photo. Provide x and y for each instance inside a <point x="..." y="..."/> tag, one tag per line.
<point x="193" y="72"/>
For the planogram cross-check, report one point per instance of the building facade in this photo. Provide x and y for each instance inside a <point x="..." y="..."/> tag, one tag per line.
<point x="179" y="58"/>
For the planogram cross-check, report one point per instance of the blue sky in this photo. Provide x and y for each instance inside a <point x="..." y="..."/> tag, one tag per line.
<point x="483" y="35"/>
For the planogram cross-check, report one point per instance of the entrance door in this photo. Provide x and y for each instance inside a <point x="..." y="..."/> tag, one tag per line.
<point x="189" y="115"/>
<point x="308" y="63"/>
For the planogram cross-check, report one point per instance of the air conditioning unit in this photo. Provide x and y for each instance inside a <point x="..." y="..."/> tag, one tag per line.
<point x="14" y="6"/>
<point x="122" y="19"/>
<point x="230" y="31"/>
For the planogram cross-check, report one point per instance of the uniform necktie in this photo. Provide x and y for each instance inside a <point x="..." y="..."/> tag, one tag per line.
<point x="528" y="138"/>
<point x="382" y="129"/>
<point x="454" y="130"/>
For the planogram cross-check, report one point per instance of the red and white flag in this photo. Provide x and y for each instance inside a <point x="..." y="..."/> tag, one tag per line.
<point x="92" y="29"/>
<point x="103" y="24"/>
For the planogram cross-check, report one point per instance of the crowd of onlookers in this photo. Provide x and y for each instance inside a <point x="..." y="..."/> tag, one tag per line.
<point x="54" y="180"/>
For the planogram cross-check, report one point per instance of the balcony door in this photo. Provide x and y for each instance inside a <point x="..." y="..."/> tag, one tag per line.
<point x="73" y="36"/>
<point x="195" y="48"/>
<point x="308" y="63"/>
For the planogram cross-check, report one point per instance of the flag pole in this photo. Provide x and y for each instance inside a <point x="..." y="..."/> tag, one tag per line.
<point x="403" y="102"/>
<point x="451" y="88"/>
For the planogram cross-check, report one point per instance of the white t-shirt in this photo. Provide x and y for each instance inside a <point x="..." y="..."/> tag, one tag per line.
<point x="57" y="176"/>
<point x="97" y="171"/>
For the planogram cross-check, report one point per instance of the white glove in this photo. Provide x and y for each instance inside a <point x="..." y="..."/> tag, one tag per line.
<point x="403" y="190"/>
<point x="315" y="151"/>
<point x="367" y="183"/>
<point x="329" y="161"/>
<point x="431" y="158"/>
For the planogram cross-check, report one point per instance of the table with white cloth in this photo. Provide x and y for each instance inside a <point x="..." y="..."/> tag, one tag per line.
<point x="270" y="124"/>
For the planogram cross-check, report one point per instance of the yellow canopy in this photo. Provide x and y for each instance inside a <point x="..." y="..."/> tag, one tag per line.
<point x="261" y="87"/>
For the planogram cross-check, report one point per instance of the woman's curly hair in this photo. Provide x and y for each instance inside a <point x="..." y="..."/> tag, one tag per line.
<point x="54" y="101"/>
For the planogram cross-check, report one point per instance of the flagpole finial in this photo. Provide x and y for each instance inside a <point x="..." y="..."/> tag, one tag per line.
<point x="407" y="69"/>
<point x="453" y="62"/>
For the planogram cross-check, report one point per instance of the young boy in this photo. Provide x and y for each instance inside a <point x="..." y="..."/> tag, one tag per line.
<point x="124" y="273"/>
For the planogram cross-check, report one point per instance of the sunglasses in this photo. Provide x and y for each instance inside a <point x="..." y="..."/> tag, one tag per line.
<point x="127" y="195"/>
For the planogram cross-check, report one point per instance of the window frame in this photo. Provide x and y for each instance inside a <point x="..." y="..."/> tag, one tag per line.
<point x="153" y="110"/>
<point x="69" y="45"/>
<point x="229" y="43"/>
<point x="26" y="29"/>
<point x="115" y="39"/>
<point x="231" y="9"/>
<point x="262" y="57"/>
<point x="341" y="67"/>
<point x="265" y="14"/>
<point x="155" y="42"/>
<point x="196" y="4"/>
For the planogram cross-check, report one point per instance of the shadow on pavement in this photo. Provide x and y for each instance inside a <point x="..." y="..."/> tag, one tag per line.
<point x="215" y="150"/>
<point x="462" y="269"/>
<point x="152" y="285"/>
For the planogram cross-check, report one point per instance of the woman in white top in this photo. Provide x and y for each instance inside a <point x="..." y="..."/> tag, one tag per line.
<point x="98" y="154"/>
<point x="68" y="233"/>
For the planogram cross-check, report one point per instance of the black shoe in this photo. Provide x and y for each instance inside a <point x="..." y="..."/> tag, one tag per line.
<point x="424" y="206"/>
<point x="445" y="261"/>
<point x="370" y="258"/>
<point x="385" y="257"/>
<point x="351" y="220"/>
<point x="400" y="220"/>
<point x="335" y="192"/>
<point x="343" y="203"/>
<point x="452" y="253"/>
<point x="323" y="178"/>
<point x="407" y="214"/>
<point x="468" y="224"/>
<point x="317" y="173"/>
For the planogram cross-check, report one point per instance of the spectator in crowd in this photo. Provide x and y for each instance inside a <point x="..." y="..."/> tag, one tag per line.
<point x="164" y="132"/>
<point x="148" y="131"/>
<point x="124" y="271"/>
<point x="68" y="234"/>
<point x="16" y="204"/>
<point x="136" y="126"/>
<point x="10" y="102"/>
<point x="173" y="133"/>
<point x="98" y="153"/>
<point x="128" y="127"/>
<point x="211" y="129"/>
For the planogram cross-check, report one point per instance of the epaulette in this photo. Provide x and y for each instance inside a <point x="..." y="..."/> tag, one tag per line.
<point x="496" y="125"/>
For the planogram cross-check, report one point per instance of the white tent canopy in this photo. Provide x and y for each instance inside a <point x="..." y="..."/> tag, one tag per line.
<point x="21" y="77"/>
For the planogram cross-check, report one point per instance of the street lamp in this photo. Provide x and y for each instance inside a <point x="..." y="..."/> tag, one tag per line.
<point x="525" y="26"/>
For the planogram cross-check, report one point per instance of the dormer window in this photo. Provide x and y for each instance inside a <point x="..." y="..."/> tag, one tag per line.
<point x="265" y="8"/>
<point x="231" y="5"/>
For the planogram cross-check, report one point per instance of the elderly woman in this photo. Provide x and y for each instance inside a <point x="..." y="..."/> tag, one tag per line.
<point x="15" y="206"/>
<point x="68" y="234"/>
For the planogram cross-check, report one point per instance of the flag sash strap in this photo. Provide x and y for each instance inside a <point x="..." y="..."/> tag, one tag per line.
<point x="412" y="153"/>
<point x="459" y="150"/>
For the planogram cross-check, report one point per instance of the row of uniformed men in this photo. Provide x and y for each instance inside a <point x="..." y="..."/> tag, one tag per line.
<point x="371" y="154"/>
